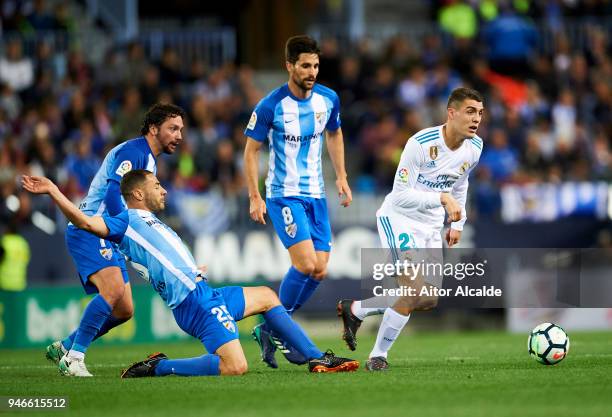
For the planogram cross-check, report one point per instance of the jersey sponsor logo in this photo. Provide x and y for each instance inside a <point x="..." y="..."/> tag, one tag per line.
<point x="442" y="182"/>
<point x="291" y="230"/>
<point x="464" y="167"/>
<point x="430" y="164"/>
<point x="124" y="168"/>
<point x="433" y="152"/>
<point x="403" y="174"/>
<point x="300" y="138"/>
<point x="107" y="253"/>
<point x="252" y="121"/>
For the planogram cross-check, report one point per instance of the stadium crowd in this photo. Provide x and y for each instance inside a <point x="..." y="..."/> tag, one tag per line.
<point x="548" y="111"/>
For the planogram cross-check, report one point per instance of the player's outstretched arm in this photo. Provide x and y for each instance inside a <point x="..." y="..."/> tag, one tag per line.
<point x="42" y="185"/>
<point x="257" y="209"/>
<point x="335" y="147"/>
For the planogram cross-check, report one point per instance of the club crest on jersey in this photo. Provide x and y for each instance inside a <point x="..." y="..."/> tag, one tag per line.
<point x="252" y="121"/>
<point x="319" y="116"/>
<point x="433" y="152"/>
<point x="229" y="326"/>
<point x="464" y="167"/>
<point x="107" y="253"/>
<point x="403" y="175"/>
<point x="291" y="230"/>
<point x="124" y="168"/>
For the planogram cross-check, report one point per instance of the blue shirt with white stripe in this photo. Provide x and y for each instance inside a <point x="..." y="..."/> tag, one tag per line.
<point x="295" y="129"/>
<point x="129" y="155"/>
<point x="156" y="252"/>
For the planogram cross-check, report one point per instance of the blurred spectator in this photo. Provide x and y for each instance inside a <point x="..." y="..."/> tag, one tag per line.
<point x="498" y="157"/>
<point x="16" y="70"/>
<point x="511" y="41"/>
<point x="14" y="259"/>
<point x="40" y="20"/>
<point x="81" y="164"/>
<point x="459" y="19"/>
<point x="128" y="119"/>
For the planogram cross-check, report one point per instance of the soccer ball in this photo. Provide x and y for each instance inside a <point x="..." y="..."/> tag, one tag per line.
<point x="548" y="344"/>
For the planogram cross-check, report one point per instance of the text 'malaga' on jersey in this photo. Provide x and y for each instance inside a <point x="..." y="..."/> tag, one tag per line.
<point x="295" y="129"/>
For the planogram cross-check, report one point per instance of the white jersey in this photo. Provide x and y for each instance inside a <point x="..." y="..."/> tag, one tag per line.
<point x="426" y="169"/>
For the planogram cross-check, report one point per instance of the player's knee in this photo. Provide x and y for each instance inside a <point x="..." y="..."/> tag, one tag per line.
<point x="125" y="312"/>
<point x="235" y="367"/>
<point x="306" y="266"/>
<point x="269" y="298"/>
<point x="113" y="294"/>
<point x="427" y="303"/>
<point x="320" y="274"/>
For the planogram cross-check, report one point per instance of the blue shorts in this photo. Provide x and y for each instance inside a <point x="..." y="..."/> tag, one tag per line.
<point x="210" y="314"/>
<point x="301" y="218"/>
<point x="91" y="254"/>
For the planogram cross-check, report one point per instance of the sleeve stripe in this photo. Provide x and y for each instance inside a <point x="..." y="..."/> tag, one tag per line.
<point x="477" y="143"/>
<point x="426" y="135"/>
<point x="428" y="139"/>
<point x="427" y="132"/>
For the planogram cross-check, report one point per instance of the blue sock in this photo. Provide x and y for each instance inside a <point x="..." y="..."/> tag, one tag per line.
<point x="279" y="321"/>
<point x="291" y="288"/>
<point x="309" y="288"/>
<point x="110" y="322"/>
<point x="202" y="365"/>
<point x="94" y="316"/>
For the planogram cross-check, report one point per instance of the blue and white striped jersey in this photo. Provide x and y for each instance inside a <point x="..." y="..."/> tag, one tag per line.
<point x="156" y="252"/>
<point x="129" y="155"/>
<point x="294" y="128"/>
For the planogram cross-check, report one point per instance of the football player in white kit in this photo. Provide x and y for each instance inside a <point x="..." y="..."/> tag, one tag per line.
<point x="432" y="177"/>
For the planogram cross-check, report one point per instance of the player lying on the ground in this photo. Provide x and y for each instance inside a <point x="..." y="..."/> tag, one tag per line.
<point x="208" y="314"/>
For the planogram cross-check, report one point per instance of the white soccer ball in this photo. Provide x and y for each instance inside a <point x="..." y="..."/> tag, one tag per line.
<point x="548" y="343"/>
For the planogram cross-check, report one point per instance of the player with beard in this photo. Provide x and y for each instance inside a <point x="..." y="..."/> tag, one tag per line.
<point x="100" y="266"/>
<point x="295" y="119"/>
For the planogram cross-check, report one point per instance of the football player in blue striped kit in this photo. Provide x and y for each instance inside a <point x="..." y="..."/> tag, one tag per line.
<point x="295" y="120"/>
<point x="208" y="314"/>
<point x="431" y="178"/>
<point x="101" y="269"/>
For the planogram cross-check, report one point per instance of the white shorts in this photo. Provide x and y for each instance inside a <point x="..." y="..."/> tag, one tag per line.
<point x="411" y="241"/>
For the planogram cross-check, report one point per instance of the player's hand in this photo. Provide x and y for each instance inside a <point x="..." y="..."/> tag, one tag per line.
<point x="37" y="185"/>
<point x="452" y="237"/>
<point x="257" y="209"/>
<point x="344" y="192"/>
<point x="451" y="206"/>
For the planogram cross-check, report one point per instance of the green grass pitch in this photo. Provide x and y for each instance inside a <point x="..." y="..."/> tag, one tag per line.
<point x="448" y="374"/>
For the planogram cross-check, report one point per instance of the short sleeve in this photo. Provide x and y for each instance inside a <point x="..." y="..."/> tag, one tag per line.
<point x="117" y="225"/>
<point x="125" y="161"/>
<point x="334" y="118"/>
<point x="260" y="122"/>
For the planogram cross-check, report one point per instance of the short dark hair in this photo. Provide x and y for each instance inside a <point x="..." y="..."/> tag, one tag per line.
<point x="131" y="180"/>
<point x="300" y="44"/>
<point x="158" y="114"/>
<point x="459" y="95"/>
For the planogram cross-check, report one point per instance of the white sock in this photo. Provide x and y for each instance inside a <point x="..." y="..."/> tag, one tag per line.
<point x="75" y="354"/>
<point x="390" y="327"/>
<point x="362" y="312"/>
